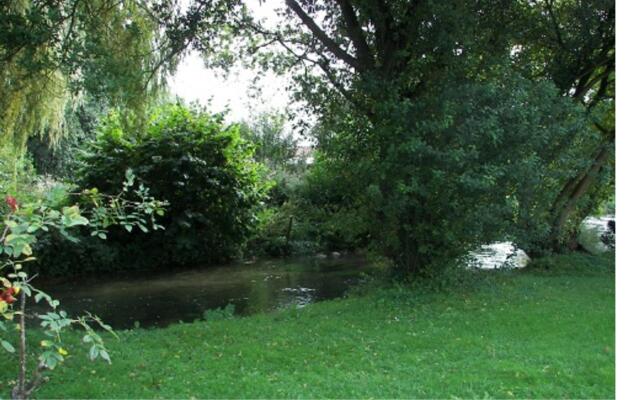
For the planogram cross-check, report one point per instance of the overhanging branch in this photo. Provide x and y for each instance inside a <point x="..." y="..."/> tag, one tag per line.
<point x="355" y="33"/>
<point x="329" y="43"/>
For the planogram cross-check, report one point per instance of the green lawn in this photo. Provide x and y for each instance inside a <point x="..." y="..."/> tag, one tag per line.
<point x="545" y="332"/>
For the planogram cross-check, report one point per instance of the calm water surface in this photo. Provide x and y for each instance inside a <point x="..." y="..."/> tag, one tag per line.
<point x="160" y="299"/>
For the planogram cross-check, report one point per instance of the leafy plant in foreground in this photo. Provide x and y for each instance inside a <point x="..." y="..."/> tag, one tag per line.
<point x="22" y="227"/>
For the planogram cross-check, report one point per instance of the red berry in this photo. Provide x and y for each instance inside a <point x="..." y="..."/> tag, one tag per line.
<point x="11" y="202"/>
<point x="7" y="295"/>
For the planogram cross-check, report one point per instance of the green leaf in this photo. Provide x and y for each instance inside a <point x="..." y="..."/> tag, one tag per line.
<point x="105" y="356"/>
<point x="71" y="216"/>
<point x="93" y="352"/>
<point x="26" y="250"/>
<point x="51" y="359"/>
<point x="8" y="346"/>
<point x="39" y="296"/>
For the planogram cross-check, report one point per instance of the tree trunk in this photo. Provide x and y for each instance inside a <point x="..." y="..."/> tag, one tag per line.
<point x="572" y="192"/>
<point x="288" y="234"/>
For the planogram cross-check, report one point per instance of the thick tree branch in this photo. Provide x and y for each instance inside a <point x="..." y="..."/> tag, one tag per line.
<point x="602" y="89"/>
<point x="323" y="63"/>
<point x="587" y="81"/>
<point x="580" y="187"/>
<point x="381" y="19"/>
<point x="329" y="43"/>
<point x="355" y="33"/>
<point x="554" y="22"/>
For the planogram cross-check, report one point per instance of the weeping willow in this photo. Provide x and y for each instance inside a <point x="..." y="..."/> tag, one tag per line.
<point x="36" y="107"/>
<point x="54" y="53"/>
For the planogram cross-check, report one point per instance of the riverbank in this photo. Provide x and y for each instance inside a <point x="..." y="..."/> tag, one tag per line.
<point x="545" y="331"/>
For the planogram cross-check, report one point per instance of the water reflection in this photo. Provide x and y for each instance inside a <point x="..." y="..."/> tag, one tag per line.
<point x="591" y="231"/>
<point x="166" y="298"/>
<point x="499" y="255"/>
<point x="506" y="255"/>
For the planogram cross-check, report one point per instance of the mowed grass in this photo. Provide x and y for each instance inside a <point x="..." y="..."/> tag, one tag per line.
<point x="545" y="332"/>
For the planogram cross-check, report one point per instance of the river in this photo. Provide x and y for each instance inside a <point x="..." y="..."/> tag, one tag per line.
<point x="161" y="298"/>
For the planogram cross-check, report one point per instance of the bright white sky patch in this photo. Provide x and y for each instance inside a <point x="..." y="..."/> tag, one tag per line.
<point x="194" y="82"/>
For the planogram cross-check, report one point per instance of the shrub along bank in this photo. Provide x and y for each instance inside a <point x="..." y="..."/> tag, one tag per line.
<point x="187" y="157"/>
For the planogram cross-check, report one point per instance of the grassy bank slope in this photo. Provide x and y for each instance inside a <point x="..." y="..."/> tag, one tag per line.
<point x="545" y="332"/>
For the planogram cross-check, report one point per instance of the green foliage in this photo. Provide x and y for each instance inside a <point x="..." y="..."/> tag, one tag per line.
<point x="275" y="147"/>
<point x="57" y="158"/>
<point x="327" y="209"/>
<point x="313" y="211"/>
<point x="201" y="167"/>
<point x="17" y="175"/>
<point x="483" y="164"/>
<point x="54" y="53"/>
<point x="219" y="313"/>
<point x="572" y="44"/>
<point x="22" y="226"/>
<point x="19" y="178"/>
<point x="286" y="225"/>
<point x="372" y="58"/>
<point x="607" y="206"/>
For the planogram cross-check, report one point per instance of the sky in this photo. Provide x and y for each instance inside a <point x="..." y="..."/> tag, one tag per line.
<point x="194" y="82"/>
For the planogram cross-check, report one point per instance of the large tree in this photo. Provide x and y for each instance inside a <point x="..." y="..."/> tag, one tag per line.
<point x="371" y="52"/>
<point x="388" y="80"/>
<point x="359" y="48"/>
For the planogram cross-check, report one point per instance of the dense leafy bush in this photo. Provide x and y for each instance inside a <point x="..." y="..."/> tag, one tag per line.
<point x="327" y="208"/>
<point x="204" y="170"/>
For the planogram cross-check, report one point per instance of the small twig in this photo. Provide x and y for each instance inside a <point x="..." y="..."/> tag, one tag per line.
<point x="37" y="379"/>
<point x="4" y="232"/>
<point x="18" y="391"/>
